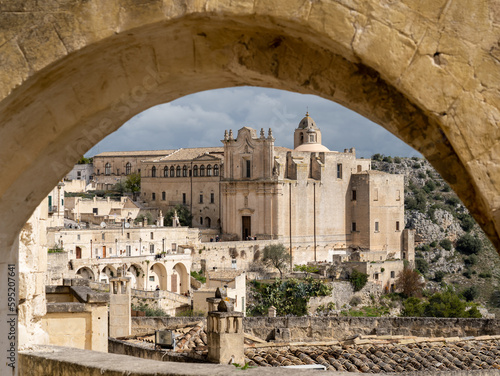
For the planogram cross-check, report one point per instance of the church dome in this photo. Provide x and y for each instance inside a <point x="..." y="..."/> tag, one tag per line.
<point x="307" y="122"/>
<point x="312" y="147"/>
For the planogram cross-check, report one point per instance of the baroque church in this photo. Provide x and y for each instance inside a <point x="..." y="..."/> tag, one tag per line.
<point x="306" y="197"/>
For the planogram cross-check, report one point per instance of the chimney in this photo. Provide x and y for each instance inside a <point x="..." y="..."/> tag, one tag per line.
<point x="120" y="321"/>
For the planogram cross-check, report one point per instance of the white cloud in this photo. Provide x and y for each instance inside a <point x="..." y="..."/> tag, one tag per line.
<point x="200" y="120"/>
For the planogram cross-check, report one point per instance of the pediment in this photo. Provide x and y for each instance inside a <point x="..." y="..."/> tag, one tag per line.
<point x="246" y="211"/>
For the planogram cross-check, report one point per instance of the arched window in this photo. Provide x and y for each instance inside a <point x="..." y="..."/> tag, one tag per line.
<point x="216" y="170"/>
<point x="209" y="170"/>
<point x="195" y="170"/>
<point x="107" y="169"/>
<point x="178" y="171"/>
<point x="128" y="168"/>
<point x="165" y="172"/>
<point x="202" y="170"/>
<point x="153" y="172"/>
<point x="184" y="171"/>
<point x="172" y="171"/>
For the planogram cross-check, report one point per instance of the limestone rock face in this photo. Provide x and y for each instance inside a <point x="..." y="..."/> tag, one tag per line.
<point x="73" y="72"/>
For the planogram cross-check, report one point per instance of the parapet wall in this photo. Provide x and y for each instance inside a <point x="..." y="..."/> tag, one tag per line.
<point x="340" y="328"/>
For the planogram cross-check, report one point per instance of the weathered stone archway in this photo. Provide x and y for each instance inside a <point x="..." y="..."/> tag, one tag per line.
<point x="73" y="72"/>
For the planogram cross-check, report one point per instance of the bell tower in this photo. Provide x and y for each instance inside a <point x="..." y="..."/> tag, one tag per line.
<point x="307" y="132"/>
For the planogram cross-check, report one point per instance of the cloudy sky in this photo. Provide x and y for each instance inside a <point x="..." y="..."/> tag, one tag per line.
<point x="200" y="120"/>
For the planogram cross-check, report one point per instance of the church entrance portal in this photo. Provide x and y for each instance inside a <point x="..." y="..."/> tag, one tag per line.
<point x="246" y="227"/>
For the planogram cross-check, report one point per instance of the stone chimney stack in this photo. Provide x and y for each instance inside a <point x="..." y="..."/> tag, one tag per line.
<point x="120" y="321"/>
<point x="225" y="332"/>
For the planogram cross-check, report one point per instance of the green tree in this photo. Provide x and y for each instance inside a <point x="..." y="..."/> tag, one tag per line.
<point x="185" y="216"/>
<point x="276" y="256"/>
<point x="470" y="293"/>
<point x="133" y="184"/>
<point x="468" y="245"/>
<point x="306" y="269"/>
<point x="377" y="157"/>
<point x="448" y="304"/>
<point x="446" y="244"/>
<point x="466" y="222"/>
<point x="413" y="307"/>
<point x="84" y="160"/>
<point x="421" y="265"/>
<point x="120" y="187"/>
<point x="358" y="280"/>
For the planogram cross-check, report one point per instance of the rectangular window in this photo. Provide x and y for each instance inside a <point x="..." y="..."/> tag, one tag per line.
<point x="248" y="168"/>
<point x="151" y="248"/>
<point x="95" y="211"/>
<point x="353" y="195"/>
<point x="339" y="170"/>
<point x="103" y="235"/>
<point x="201" y="199"/>
<point x="376" y="276"/>
<point x="151" y="278"/>
<point x="201" y="221"/>
<point x="129" y="250"/>
<point x="117" y="171"/>
<point x="376" y="227"/>
<point x="164" y="196"/>
<point x="153" y="196"/>
<point x="398" y="195"/>
<point x="212" y="198"/>
<point x="397" y="225"/>
<point x="375" y="194"/>
<point x="353" y="226"/>
<point x="78" y="237"/>
<point x="184" y="198"/>
<point x="152" y="235"/>
<point x="393" y="274"/>
<point x="128" y="235"/>
<point x="78" y="175"/>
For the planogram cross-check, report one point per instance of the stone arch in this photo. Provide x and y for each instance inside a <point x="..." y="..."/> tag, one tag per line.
<point x="107" y="272"/>
<point x="159" y="272"/>
<point x="181" y="275"/>
<point x="137" y="276"/>
<point x="85" y="273"/>
<point x="82" y="81"/>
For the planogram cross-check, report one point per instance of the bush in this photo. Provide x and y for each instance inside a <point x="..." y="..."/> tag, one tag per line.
<point x="355" y="301"/>
<point x="410" y="282"/>
<point x="198" y="276"/>
<point x="377" y="157"/>
<point x="446" y="244"/>
<point x="429" y="186"/>
<point x="439" y="275"/>
<point x="467" y="274"/>
<point x="484" y="275"/>
<point x="470" y="293"/>
<point x="150" y="312"/>
<point x="448" y="304"/>
<point x="466" y="222"/>
<point x="468" y="245"/>
<point x="416" y="166"/>
<point x="425" y="248"/>
<point x="397" y="160"/>
<point x="453" y="201"/>
<point x="471" y="260"/>
<point x="388" y="159"/>
<point x="412" y="307"/>
<point x="433" y="244"/>
<point x="421" y="265"/>
<point x="421" y="175"/>
<point x="358" y="280"/>
<point x="446" y="188"/>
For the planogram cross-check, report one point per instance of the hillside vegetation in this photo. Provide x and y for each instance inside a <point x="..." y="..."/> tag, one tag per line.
<point x="452" y="252"/>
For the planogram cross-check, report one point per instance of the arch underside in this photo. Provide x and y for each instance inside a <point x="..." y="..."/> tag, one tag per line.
<point x="62" y="110"/>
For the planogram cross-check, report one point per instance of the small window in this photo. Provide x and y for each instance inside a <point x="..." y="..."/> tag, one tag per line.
<point x="165" y="172"/>
<point x="376" y="276"/>
<point x="248" y="168"/>
<point x="195" y="170"/>
<point x="311" y="138"/>
<point x="209" y="170"/>
<point x="339" y="170"/>
<point x="151" y="278"/>
<point x="397" y="225"/>
<point x="164" y="196"/>
<point x="212" y="198"/>
<point x="201" y="199"/>
<point x="117" y="171"/>
<point x="353" y="227"/>
<point x="202" y="170"/>
<point x="128" y="168"/>
<point x="376" y="227"/>
<point x="103" y="236"/>
<point x="152" y="235"/>
<point x="153" y="172"/>
<point x="201" y="221"/>
<point x="172" y="171"/>
<point x="184" y="198"/>
<point x="78" y="237"/>
<point x="393" y="274"/>
<point x="398" y="195"/>
<point x="78" y="175"/>
<point x="359" y="168"/>
<point x="153" y="196"/>
<point x="128" y="235"/>
<point x="184" y="171"/>
<point x="216" y="170"/>
<point x="95" y="211"/>
<point x="151" y="248"/>
<point x="107" y="169"/>
<point x="178" y="170"/>
<point x="353" y="195"/>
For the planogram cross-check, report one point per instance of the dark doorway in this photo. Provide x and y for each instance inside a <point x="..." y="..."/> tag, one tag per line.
<point x="78" y="252"/>
<point x="246" y="227"/>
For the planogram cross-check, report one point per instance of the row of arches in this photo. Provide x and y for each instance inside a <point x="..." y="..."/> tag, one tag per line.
<point x="154" y="277"/>
<point x="185" y="172"/>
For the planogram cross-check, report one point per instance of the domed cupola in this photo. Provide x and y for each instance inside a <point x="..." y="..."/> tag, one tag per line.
<point x="307" y="136"/>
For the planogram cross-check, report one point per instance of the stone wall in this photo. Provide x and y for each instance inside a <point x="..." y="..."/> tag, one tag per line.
<point x="339" y="328"/>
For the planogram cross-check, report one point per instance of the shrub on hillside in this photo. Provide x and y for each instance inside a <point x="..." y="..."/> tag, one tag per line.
<point x="358" y="280"/>
<point x="377" y="157"/>
<point x="439" y="275"/>
<point x="446" y="244"/>
<point x="397" y="160"/>
<point x="466" y="222"/>
<point x="468" y="245"/>
<point x="421" y="265"/>
<point x="453" y="201"/>
<point x="470" y="293"/>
